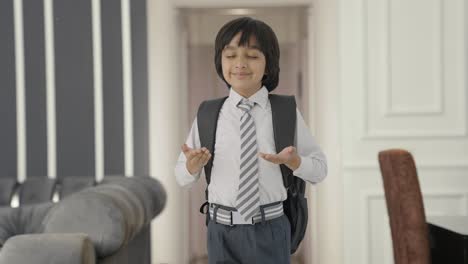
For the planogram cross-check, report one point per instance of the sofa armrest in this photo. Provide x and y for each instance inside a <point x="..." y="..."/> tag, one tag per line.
<point x="111" y="214"/>
<point x="48" y="249"/>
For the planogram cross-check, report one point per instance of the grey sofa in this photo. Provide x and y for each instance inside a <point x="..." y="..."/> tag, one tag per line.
<point x="104" y="223"/>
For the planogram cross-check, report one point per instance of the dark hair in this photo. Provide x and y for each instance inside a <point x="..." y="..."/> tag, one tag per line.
<point x="266" y="40"/>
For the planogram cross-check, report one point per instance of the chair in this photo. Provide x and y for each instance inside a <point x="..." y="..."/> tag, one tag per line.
<point x="405" y="207"/>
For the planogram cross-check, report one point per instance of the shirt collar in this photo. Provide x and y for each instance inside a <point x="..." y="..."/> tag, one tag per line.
<point x="260" y="97"/>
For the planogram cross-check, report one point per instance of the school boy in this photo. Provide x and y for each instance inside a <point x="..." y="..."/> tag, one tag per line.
<point x="245" y="192"/>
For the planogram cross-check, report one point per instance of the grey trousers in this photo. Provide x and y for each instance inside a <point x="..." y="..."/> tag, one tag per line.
<point x="262" y="243"/>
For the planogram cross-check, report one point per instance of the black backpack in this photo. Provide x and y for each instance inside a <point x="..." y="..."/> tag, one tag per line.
<point x="284" y="130"/>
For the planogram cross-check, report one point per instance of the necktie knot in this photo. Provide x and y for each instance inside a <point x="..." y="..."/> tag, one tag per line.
<point x="246" y="105"/>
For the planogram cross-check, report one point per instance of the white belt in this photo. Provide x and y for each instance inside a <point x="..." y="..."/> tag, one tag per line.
<point x="230" y="216"/>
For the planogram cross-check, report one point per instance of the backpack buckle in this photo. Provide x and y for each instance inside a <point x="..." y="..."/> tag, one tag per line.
<point x="237" y="219"/>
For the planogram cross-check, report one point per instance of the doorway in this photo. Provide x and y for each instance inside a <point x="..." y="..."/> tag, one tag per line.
<point x="201" y="26"/>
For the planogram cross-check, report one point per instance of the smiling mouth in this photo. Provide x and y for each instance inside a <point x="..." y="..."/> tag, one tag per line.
<point x="240" y="74"/>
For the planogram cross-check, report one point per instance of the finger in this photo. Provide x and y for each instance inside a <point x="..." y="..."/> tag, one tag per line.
<point x="291" y="149"/>
<point x="197" y="157"/>
<point x="202" y="157"/>
<point x="185" y="148"/>
<point x="187" y="151"/>
<point x="268" y="157"/>
<point x="287" y="150"/>
<point x="193" y="154"/>
<point x="272" y="158"/>
<point x="206" y="158"/>
<point x="203" y="149"/>
<point x="263" y="156"/>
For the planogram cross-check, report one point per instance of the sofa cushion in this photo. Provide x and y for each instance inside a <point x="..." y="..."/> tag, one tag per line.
<point x="91" y="213"/>
<point x="36" y="190"/>
<point x="22" y="220"/>
<point x="73" y="184"/>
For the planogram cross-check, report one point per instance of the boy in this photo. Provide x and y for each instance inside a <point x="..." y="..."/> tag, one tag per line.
<point x="247" y="223"/>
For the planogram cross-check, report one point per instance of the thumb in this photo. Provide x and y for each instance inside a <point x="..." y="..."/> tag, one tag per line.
<point x="185" y="148"/>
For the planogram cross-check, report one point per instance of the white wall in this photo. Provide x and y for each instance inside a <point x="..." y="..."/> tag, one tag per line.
<point x="403" y="83"/>
<point x="169" y="239"/>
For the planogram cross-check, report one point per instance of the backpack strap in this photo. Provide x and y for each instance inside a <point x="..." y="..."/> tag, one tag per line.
<point x="283" y="110"/>
<point x="207" y="120"/>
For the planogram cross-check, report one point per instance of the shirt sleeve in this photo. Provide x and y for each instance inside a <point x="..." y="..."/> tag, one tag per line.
<point x="313" y="167"/>
<point x="183" y="176"/>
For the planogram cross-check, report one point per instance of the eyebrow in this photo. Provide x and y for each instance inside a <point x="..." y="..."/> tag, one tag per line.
<point x="229" y="47"/>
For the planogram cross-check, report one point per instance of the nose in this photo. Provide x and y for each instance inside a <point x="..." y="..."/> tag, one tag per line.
<point x="240" y="62"/>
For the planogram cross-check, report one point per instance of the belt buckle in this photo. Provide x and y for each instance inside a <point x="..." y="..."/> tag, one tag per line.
<point x="237" y="219"/>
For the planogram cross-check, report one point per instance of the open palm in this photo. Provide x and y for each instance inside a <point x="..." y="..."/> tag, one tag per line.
<point x="284" y="157"/>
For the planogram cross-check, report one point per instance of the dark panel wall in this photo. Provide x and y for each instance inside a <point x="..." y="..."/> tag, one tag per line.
<point x="35" y="88"/>
<point x="140" y="90"/>
<point x="8" y="150"/>
<point x="74" y="88"/>
<point x="112" y="86"/>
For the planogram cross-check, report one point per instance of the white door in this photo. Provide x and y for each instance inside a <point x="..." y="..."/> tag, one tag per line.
<point x="403" y="85"/>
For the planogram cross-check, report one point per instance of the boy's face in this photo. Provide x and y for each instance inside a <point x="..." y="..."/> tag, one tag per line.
<point x="243" y="67"/>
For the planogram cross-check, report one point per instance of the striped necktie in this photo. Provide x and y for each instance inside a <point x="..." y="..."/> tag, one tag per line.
<point x="248" y="200"/>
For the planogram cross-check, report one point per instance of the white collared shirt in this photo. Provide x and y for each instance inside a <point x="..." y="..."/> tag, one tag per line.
<point x="226" y="164"/>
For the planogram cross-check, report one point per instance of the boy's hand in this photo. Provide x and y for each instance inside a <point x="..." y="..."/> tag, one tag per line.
<point x="288" y="156"/>
<point x="196" y="158"/>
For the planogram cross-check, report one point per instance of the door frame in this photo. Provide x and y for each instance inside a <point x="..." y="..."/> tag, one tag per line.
<point x="168" y="119"/>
